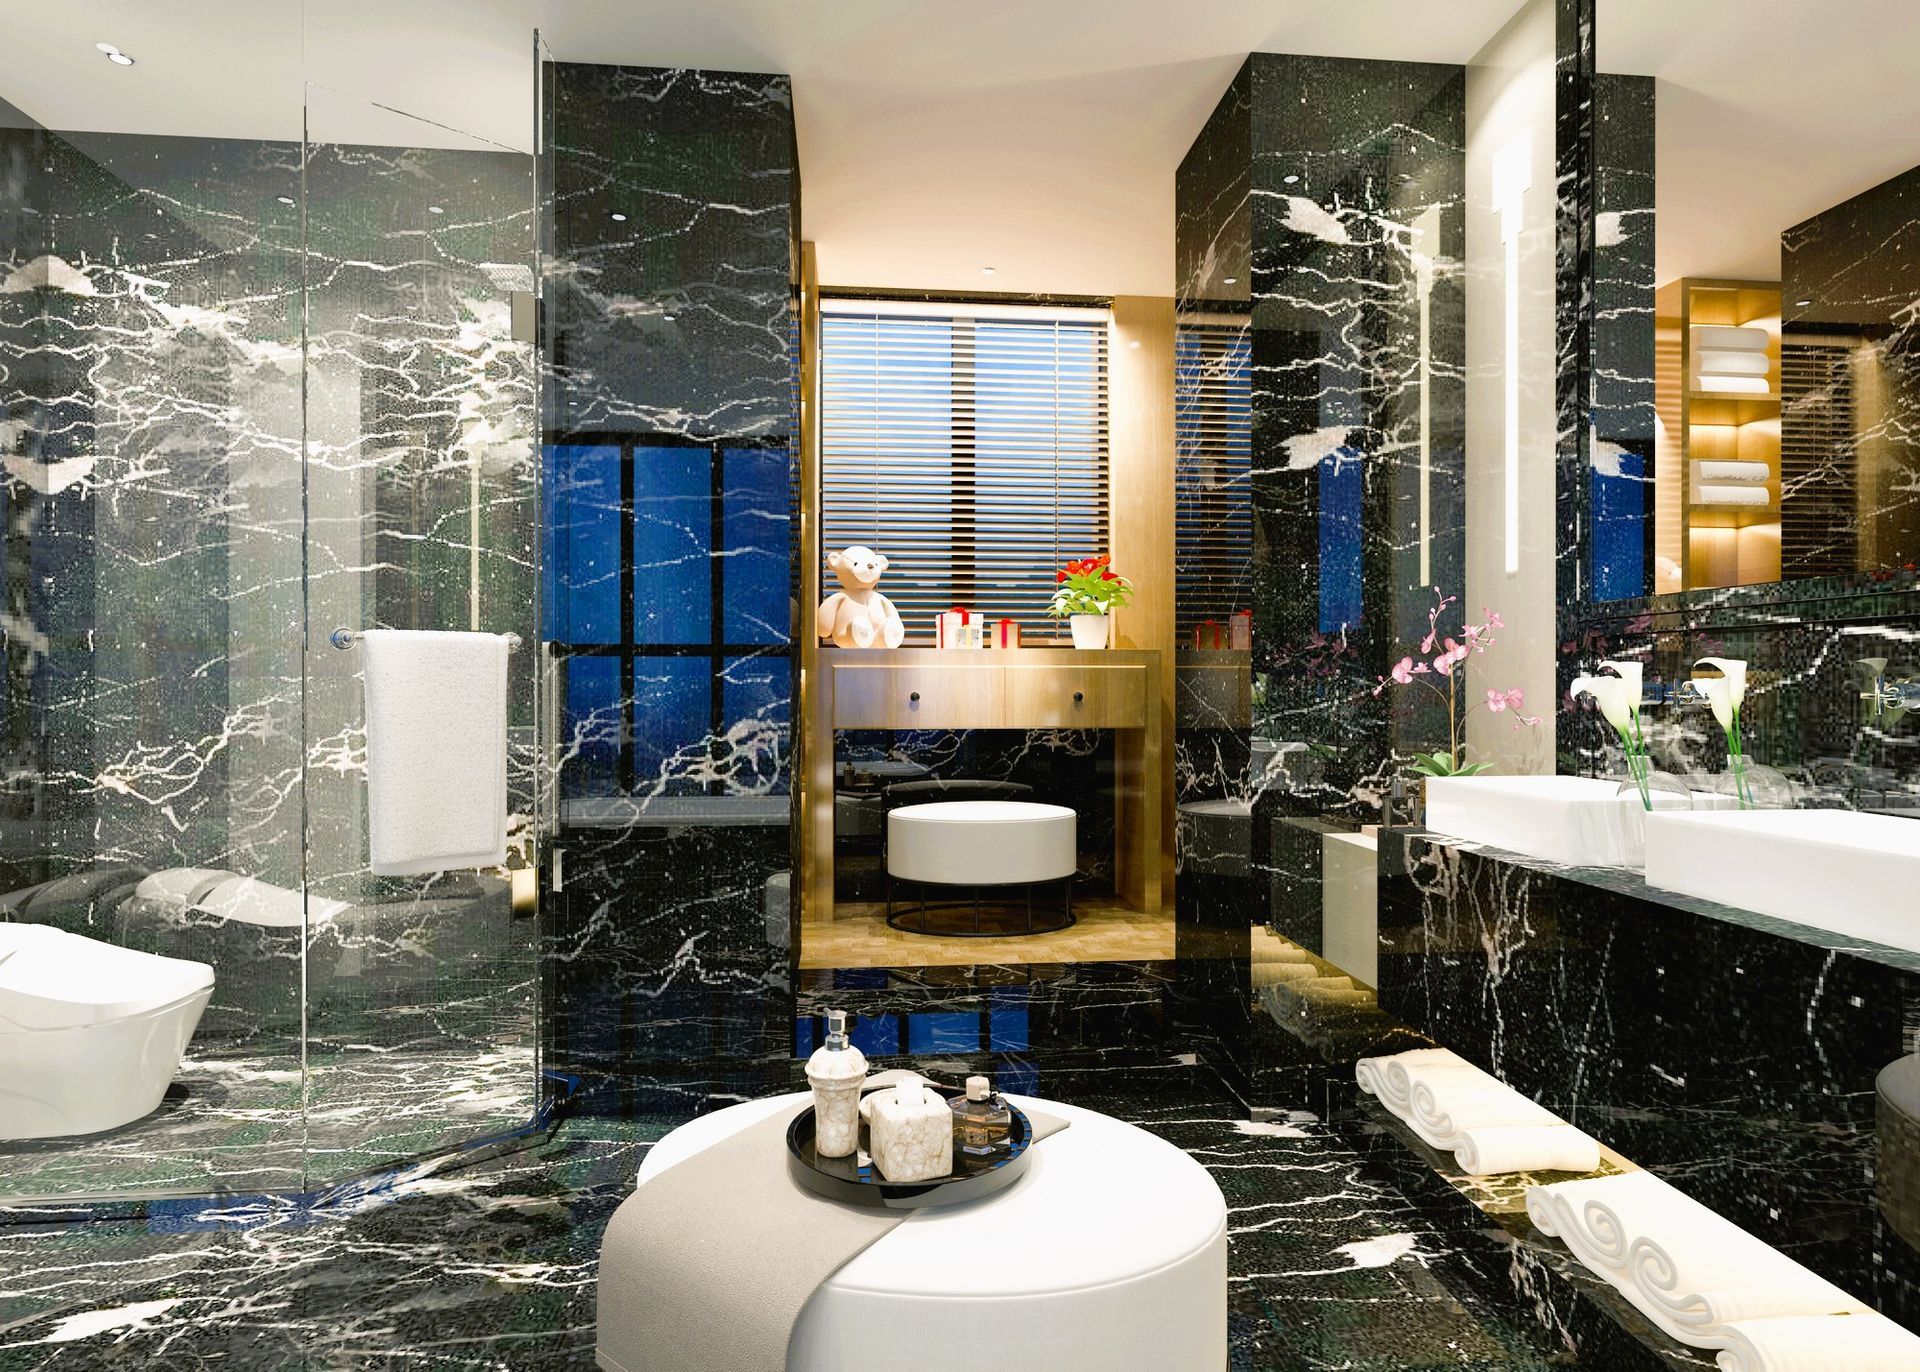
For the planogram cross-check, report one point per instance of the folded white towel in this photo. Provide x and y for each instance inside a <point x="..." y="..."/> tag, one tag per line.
<point x="1707" y="493"/>
<point x="1819" y="1343"/>
<point x="1599" y="1217"/>
<point x="1729" y="336"/>
<point x="1695" y="1272"/>
<point x="1446" y="1101"/>
<point x="1486" y="1150"/>
<point x="1712" y="470"/>
<point x="1396" y="1093"/>
<point x="436" y="750"/>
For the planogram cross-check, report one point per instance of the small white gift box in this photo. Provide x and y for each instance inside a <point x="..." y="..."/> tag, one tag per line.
<point x="1240" y="630"/>
<point x="1003" y="633"/>
<point x="958" y="628"/>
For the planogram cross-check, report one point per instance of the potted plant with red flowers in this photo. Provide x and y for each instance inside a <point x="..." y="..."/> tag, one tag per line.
<point x="1086" y="593"/>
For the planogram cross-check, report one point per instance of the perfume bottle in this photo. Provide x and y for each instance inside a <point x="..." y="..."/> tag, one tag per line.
<point x="982" y="1123"/>
<point x="836" y="1072"/>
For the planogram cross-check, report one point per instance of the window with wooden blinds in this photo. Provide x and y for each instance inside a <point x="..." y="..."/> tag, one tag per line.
<point x="968" y="443"/>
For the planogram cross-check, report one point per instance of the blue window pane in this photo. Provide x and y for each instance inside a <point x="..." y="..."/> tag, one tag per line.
<point x="943" y="1031"/>
<point x="1620" y="514"/>
<point x="672" y="721"/>
<point x="1340" y="501"/>
<point x="672" y="537"/>
<point x="594" y="715"/>
<point x="756" y="695"/>
<point x="757" y="526"/>
<point x="583" y="544"/>
<point x="1007" y="1026"/>
<point x="877" y="1036"/>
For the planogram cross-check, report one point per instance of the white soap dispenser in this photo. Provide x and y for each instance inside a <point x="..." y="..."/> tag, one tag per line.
<point x="836" y="1072"/>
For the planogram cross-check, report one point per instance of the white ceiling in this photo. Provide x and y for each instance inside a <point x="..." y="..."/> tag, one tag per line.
<point x="1039" y="137"/>
<point x="1769" y="111"/>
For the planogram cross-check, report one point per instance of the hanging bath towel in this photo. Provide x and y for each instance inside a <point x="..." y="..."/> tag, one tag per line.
<point x="436" y="750"/>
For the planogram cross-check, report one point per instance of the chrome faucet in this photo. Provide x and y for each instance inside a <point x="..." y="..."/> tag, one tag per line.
<point x="1886" y="695"/>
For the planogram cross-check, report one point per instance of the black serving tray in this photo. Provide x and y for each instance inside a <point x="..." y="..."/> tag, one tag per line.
<point x="845" y="1179"/>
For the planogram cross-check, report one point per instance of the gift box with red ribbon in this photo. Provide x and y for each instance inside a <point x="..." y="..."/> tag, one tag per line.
<point x="1003" y="633"/>
<point x="1209" y="633"/>
<point x="958" y="628"/>
<point x="1240" y="631"/>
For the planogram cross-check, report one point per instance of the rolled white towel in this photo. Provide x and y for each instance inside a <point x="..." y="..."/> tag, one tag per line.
<point x="1819" y="1343"/>
<point x="1695" y="1272"/>
<point x="1490" y="1149"/>
<point x="1376" y="1080"/>
<point x="1445" y="1103"/>
<point x="1600" y="1217"/>
<point x="1402" y="1070"/>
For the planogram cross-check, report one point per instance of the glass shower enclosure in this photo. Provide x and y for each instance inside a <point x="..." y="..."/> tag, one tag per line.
<point x="259" y="380"/>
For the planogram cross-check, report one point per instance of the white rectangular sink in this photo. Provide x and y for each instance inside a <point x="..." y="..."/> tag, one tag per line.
<point x="1581" y="821"/>
<point x="1852" y="874"/>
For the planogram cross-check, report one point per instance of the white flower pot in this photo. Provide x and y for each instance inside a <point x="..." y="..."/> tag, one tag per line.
<point x="1089" y="631"/>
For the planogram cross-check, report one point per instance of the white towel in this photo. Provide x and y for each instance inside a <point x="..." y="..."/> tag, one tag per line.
<point x="1696" y="1272"/>
<point x="1688" y="1270"/>
<point x="1708" y="469"/>
<point x="1446" y="1101"/>
<point x="436" y="750"/>
<point x="1388" y="1077"/>
<point x="1487" y="1150"/>
<point x="1707" y="493"/>
<point x="1820" y="1343"/>
<point x="1599" y="1217"/>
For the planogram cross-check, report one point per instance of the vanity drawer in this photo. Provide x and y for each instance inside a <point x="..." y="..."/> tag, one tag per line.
<point x="957" y="696"/>
<point x="1053" y="697"/>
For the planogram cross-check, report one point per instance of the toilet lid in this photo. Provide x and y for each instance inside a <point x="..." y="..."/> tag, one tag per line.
<point x="50" y="979"/>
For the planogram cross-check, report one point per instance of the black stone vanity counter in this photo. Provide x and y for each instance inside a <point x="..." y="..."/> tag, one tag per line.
<point x="1733" y="1054"/>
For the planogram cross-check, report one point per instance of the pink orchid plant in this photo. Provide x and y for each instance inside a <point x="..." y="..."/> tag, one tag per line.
<point x="1441" y="656"/>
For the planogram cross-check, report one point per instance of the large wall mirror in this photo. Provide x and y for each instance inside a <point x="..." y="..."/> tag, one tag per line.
<point x="1756" y="332"/>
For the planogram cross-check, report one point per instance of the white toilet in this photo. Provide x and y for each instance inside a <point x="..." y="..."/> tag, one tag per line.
<point x="90" y="1033"/>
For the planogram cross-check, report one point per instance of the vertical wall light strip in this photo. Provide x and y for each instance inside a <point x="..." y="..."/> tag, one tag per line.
<point x="1512" y="179"/>
<point x="1426" y="242"/>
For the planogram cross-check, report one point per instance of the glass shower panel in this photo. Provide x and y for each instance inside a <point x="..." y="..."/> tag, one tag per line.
<point x="151" y="809"/>
<point x="422" y="486"/>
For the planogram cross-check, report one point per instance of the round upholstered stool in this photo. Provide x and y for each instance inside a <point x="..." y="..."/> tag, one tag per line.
<point x="988" y="848"/>
<point x="1110" y="1254"/>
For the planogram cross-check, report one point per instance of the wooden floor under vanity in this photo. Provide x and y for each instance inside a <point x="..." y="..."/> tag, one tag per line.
<point x="1106" y="930"/>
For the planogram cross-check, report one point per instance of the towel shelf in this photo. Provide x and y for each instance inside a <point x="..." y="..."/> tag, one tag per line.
<point x="345" y="638"/>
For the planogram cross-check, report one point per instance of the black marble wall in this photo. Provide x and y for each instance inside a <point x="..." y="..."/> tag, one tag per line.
<point x="1850" y="390"/>
<point x="671" y="222"/>
<point x="1332" y="191"/>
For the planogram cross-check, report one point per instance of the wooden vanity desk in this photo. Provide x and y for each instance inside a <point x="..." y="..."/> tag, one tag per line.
<point x="992" y="688"/>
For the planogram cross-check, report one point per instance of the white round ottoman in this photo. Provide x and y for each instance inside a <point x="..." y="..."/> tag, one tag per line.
<point x="981" y="843"/>
<point x="1109" y="1255"/>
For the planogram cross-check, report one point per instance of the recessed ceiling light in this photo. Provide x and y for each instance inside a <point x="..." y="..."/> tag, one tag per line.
<point x="113" y="54"/>
<point x="284" y="199"/>
<point x="435" y="209"/>
<point x="1290" y="180"/>
<point x="1134" y="344"/>
<point x="105" y="47"/>
<point x="1230" y="280"/>
<point x="1802" y="304"/>
<point x="986" y="271"/>
<point x="617" y="217"/>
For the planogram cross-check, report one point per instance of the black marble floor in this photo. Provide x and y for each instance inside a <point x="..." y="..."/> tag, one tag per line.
<point x="492" y="1266"/>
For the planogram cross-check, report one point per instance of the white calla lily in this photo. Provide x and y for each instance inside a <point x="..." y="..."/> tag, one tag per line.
<point x="1713" y="689"/>
<point x="1732" y="679"/>
<point x="1630" y="673"/>
<point x="1615" y="697"/>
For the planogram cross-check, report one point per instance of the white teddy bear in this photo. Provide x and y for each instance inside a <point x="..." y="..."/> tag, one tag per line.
<point x="856" y="615"/>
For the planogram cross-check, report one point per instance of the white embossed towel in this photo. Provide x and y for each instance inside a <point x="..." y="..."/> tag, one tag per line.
<point x="436" y="750"/>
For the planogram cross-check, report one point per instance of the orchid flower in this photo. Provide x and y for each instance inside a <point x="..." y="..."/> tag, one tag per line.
<point x="1441" y="655"/>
